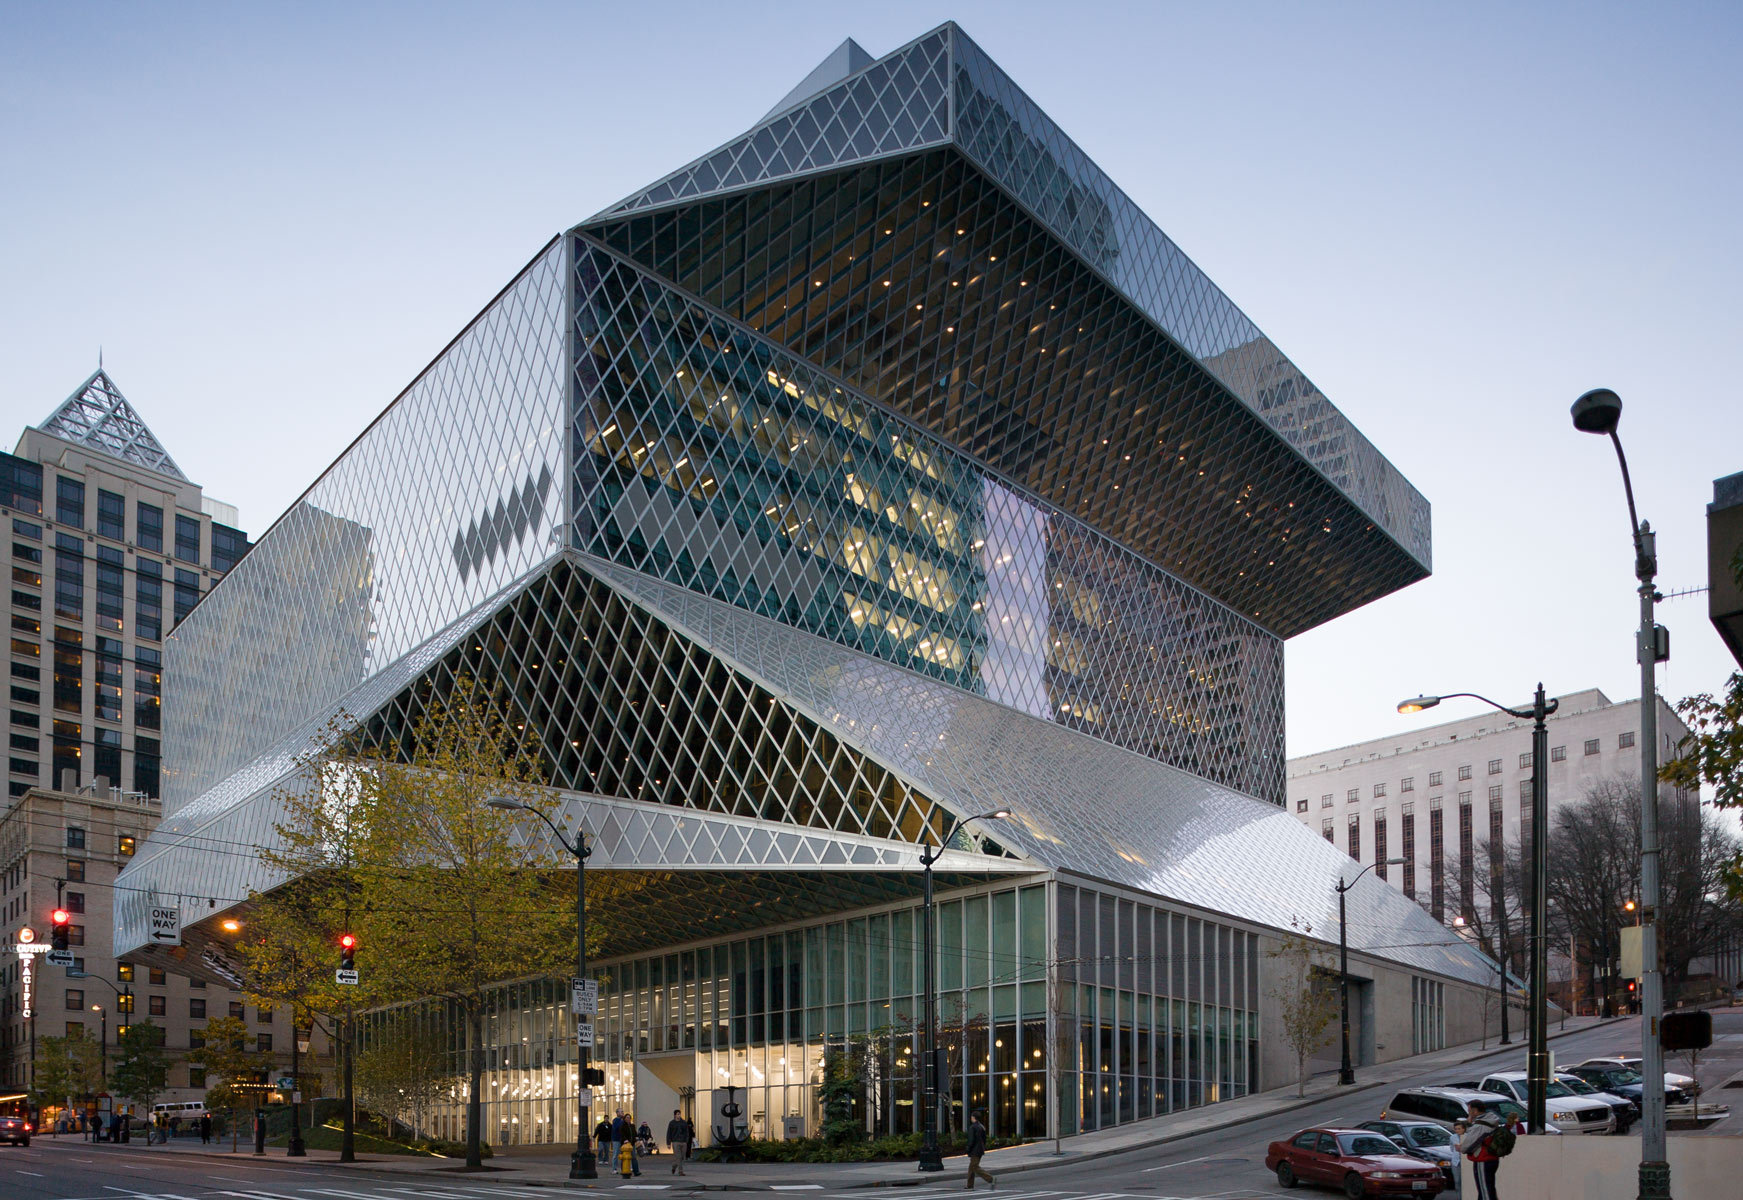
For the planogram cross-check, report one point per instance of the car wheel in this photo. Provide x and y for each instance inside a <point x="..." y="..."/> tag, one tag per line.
<point x="1354" y="1188"/>
<point x="1285" y="1175"/>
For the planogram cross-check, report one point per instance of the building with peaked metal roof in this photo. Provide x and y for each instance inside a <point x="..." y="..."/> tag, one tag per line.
<point x="882" y="467"/>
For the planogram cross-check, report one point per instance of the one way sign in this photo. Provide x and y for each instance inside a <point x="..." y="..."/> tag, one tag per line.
<point x="166" y="926"/>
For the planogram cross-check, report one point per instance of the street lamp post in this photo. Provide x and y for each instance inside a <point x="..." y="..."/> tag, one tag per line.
<point x="582" y="1164"/>
<point x="103" y="1045"/>
<point x="1599" y="411"/>
<point x="933" y="1086"/>
<point x="1346" y="1072"/>
<point x="1537" y="1041"/>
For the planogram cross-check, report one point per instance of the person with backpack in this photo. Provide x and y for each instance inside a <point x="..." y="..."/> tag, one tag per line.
<point x="1485" y="1142"/>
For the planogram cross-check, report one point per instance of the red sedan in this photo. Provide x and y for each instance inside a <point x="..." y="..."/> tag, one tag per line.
<point x="1359" y="1161"/>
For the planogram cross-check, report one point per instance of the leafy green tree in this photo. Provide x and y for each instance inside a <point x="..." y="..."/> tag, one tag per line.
<point x="231" y="1068"/>
<point x="1713" y="754"/>
<point x="141" y="1066"/>
<point x="842" y="1088"/>
<point x="68" y="1069"/>
<point x="404" y="1072"/>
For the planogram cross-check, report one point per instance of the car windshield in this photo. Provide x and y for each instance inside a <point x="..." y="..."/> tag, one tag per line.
<point x="1624" y="1076"/>
<point x="1367" y="1143"/>
<point x="1577" y="1085"/>
<point x="1427" y="1135"/>
<point x="1555" y="1088"/>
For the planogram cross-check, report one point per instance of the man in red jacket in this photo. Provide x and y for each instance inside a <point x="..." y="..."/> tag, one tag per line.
<point x="1475" y="1143"/>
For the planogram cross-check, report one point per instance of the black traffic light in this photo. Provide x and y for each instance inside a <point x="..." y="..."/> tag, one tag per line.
<point x="59" y="922"/>
<point x="347" y="951"/>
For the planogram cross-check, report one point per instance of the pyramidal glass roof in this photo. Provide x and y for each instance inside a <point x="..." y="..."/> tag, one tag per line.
<point x="97" y="415"/>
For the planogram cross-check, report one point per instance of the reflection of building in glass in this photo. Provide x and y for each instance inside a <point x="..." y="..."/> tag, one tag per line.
<point x="865" y="473"/>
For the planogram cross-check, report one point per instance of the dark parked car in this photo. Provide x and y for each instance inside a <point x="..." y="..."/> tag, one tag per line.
<point x="1621" y="1081"/>
<point x="15" y="1130"/>
<point x="1627" y="1112"/>
<point x="1360" y="1162"/>
<point x="1427" y="1140"/>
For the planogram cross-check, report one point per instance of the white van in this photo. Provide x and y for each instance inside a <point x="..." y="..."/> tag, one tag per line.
<point x="190" y="1112"/>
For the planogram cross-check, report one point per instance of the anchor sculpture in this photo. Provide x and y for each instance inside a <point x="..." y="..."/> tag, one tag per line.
<point x="732" y="1141"/>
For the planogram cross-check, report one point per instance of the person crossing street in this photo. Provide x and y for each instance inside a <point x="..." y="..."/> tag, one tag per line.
<point x="976" y="1148"/>
<point x="678" y="1134"/>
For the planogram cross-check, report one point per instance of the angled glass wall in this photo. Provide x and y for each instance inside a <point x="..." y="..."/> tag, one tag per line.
<point x="710" y="457"/>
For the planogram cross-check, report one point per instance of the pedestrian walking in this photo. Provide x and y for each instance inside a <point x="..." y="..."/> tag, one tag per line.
<point x="635" y="1150"/>
<point x="1474" y="1144"/>
<point x="976" y="1148"/>
<point x="602" y="1135"/>
<point x="678" y="1135"/>
<point x="205" y="1128"/>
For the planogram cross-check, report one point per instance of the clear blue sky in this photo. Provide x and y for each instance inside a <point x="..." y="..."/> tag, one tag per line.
<point x="1455" y="219"/>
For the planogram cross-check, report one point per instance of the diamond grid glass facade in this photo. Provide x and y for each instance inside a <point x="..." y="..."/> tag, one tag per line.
<point x="880" y="469"/>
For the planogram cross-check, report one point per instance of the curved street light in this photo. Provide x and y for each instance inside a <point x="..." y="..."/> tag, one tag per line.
<point x="1599" y="411"/>
<point x="1537" y="1039"/>
<point x="582" y="1164"/>
<point x="933" y="1087"/>
<point x="1346" y="1072"/>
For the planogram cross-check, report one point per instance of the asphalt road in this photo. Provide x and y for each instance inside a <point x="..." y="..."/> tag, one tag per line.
<point x="1225" y="1164"/>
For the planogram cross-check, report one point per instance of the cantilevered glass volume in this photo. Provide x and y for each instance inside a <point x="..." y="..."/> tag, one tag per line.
<point x="883" y="467"/>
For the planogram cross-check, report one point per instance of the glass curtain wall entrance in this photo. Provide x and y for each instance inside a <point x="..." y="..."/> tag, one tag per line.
<point x="1152" y="1011"/>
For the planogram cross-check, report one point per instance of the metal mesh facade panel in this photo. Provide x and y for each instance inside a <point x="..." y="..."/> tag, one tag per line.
<point x="448" y="498"/>
<point x="711" y="457"/>
<point x="98" y="416"/>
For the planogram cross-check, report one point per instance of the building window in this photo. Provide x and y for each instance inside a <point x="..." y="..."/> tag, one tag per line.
<point x="106" y="763"/>
<point x="155" y="1005"/>
<point x="75" y="1028"/>
<point x="1379" y="790"/>
<point x="147" y="763"/>
<point x="75" y="838"/>
<point x="228" y="546"/>
<point x="1525" y="761"/>
<point x="1301" y="806"/>
<point x="1407" y="849"/>
<point x="1325" y="800"/>
<point x="124" y="972"/>
<point x="75" y="870"/>
<point x="196" y="1077"/>
<point x="75" y="935"/>
<point x="1467" y="861"/>
<point x="263" y="1016"/>
<point x="1558" y="754"/>
<point x="148" y="527"/>
<point x="1407" y="784"/>
<point x="237" y="1011"/>
<point x="158" y="976"/>
<point x="1465" y="772"/>
<point x="124" y="845"/>
<point x="111" y="515"/>
<point x="148" y="601"/>
<point x="20" y="485"/>
<point x="196" y="1039"/>
<point x="1494" y="766"/>
<point x="74" y="902"/>
<point x="187" y="593"/>
<point x="69" y="502"/>
<point x="1591" y="746"/>
<point x="1494" y="794"/>
<point x="1353" y="795"/>
<point x="197" y="1008"/>
<point x="187" y="539"/>
<point x="1437" y="864"/>
<point x="69" y="577"/>
<point x="1325" y="829"/>
<point x="1380" y="844"/>
<point x="1625" y="739"/>
<point x="1524" y="790"/>
<point x="263" y="1043"/>
<point x="1355" y="837"/>
<point x="75" y="1000"/>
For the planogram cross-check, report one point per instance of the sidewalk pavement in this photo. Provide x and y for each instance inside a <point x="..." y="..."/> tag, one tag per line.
<point x="548" y="1166"/>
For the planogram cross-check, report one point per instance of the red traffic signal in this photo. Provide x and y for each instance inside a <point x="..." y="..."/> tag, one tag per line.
<point x="60" y="922"/>
<point x="347" y="951"/>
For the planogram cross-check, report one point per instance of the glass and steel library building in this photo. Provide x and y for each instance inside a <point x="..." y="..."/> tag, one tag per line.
<point x="884" y="467"/>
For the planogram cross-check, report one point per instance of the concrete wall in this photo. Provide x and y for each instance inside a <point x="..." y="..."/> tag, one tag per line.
<point x="1607" y="1168"/>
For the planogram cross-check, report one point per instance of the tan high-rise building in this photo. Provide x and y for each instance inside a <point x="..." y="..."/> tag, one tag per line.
<point x="111" y="545"/>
